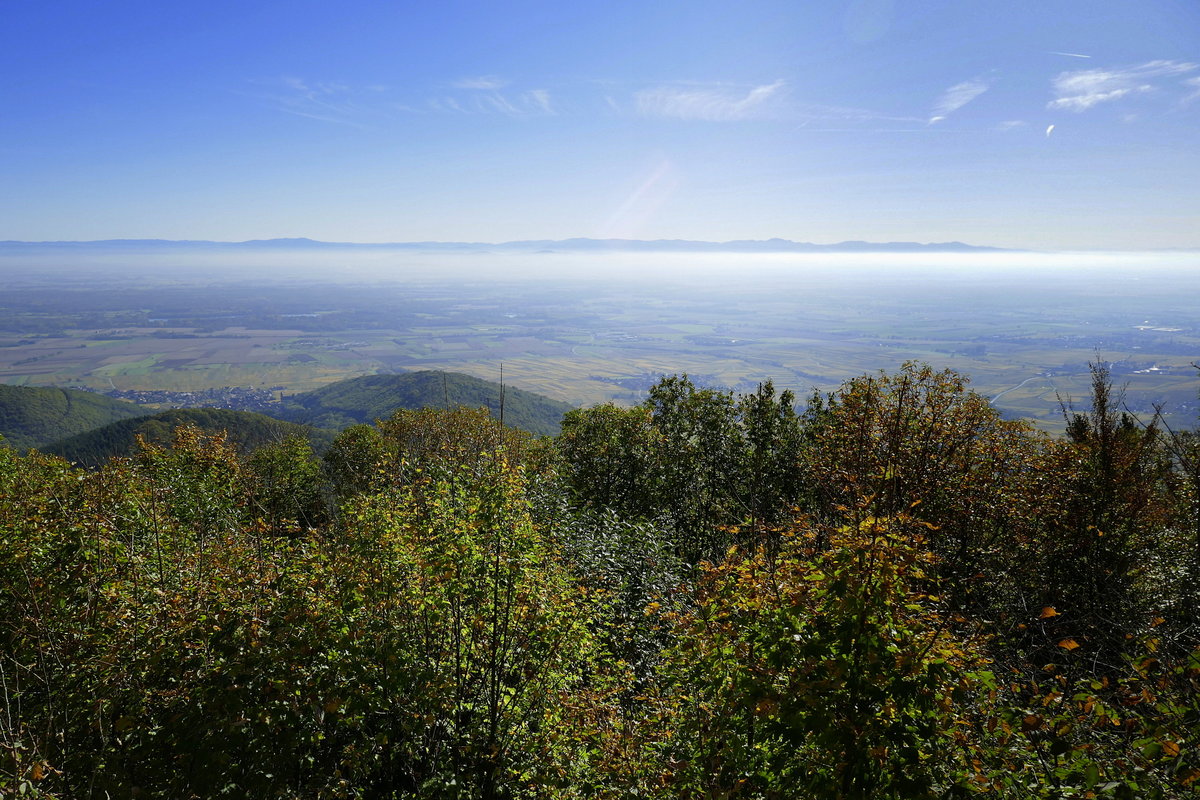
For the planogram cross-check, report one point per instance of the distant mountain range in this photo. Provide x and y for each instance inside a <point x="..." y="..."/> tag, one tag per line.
<point x="578" y="245"/>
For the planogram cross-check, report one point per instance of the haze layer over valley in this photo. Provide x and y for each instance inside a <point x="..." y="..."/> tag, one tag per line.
<point x="589" y="327"/>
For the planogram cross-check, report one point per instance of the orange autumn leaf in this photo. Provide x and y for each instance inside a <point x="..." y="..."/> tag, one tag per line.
<point x="1068" y="644"/>
<point x="1048" y="611"/>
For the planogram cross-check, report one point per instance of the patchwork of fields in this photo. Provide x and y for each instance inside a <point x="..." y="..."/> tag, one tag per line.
<point x="1024" y="336"/>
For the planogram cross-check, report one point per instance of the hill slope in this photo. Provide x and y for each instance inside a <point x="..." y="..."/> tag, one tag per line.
<point x="34" y="417"/>
<point x="372" y="397"/>
<point x="247" y="431"/>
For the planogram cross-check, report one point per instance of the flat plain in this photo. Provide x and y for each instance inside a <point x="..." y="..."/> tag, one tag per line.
<point x="586" y="329"/>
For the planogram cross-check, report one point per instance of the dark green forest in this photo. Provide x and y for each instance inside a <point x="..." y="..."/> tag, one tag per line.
<point x="89" y="429"/>
<point x="892" y="593"/>
<point x="371" y="397"/>
<point x="245" y="431"/>
<point x="35" y="417"/>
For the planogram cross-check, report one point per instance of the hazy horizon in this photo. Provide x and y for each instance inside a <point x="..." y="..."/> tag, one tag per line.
<point x="411" y="243"/>
<point x="392" y="265"/>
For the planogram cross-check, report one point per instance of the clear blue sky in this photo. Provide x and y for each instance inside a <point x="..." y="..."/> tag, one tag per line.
<point x="1035" y="123"/>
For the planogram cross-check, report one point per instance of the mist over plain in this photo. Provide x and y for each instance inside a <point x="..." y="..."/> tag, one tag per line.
<point x="332" y="264"/>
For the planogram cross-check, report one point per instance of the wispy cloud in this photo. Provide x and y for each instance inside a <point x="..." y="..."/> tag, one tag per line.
<point x="717" y="103"/>
<point x="539" y="99"/>
<point x="483" y="95"/>
<point x="819" y="113"/>
<point x="534" y="102"/>
<point x="1194" y="85"/>
<point x="1080" y="90"/>
<point x="956" y="97"/>
<point x="364" y="106"/>
<point x="325" y="101"/>
<point x="491" y="82"/>
<point x="1012" y="124"/>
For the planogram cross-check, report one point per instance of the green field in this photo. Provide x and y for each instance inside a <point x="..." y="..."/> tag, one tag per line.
<point x="1024" y="337"/>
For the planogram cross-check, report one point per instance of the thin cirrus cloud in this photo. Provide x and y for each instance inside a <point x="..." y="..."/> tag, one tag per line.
<point x="1079" y="90"/>
<point x="955" y="98"/>
<point x="482" y="95"/>
<point x="486" y="82"/>
<point x="487" y="101"/>
<point x="1194" y="85"/>
<point x="715" y="103"/>
<point x="326" y="101"/>
<point x="362" y="106"/>
<point x="808" y="112"/>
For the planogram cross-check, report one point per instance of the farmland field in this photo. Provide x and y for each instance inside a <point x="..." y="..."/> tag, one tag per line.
<point x="604" y="327"/>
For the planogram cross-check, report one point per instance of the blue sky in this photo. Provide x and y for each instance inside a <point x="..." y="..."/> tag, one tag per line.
<point x="1051" y="124"/>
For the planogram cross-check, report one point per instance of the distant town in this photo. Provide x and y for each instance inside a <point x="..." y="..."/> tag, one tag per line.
<point x="238" y="398"/>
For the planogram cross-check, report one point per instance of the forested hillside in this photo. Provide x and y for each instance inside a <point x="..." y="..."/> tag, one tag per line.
<point x="246" y="431"/>
<point x="893" y="594"/>
<point x="372" y="397"/>
<point x="35" y="417"/>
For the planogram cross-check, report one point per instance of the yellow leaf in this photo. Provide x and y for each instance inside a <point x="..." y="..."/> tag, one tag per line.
<point x="1048" y="611"/>
<point x="1068" y="644"/>
<point x="1170" y="748"/>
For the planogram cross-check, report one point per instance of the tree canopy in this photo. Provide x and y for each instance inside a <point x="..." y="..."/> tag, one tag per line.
<point x="894" y="593"/>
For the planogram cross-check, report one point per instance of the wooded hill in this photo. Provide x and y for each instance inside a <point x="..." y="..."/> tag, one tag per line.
<point x="245" y="431"/>
<point x="91" y="428"/>
<point x="894" y="594"/>
<point x="35" y="417"/>
<point x="373" y="397"/>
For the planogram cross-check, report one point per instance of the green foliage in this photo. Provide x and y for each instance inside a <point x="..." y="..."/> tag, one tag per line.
<point x="360" y="460"/>
<point x="288" y="487"/>
<point x="413" y="443"/>
<point x="1116" y="500"/>
<point x="896" y="594"/>
<point x="471" y="627"/>
<point x="373" y="397"/>
<point x="172" y="651"/>
<point x="610" y="458"/>
<point x="826" y="669"/>
<point x="696" y="459"/>
<point x="919" y="442"/>
<point x="246" y="431"/>
<point x="631" y="564"/>
<point x="35" y="417"/>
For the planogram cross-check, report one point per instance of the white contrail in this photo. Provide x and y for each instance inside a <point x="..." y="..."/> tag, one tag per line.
<point x="1072" y="55"/>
